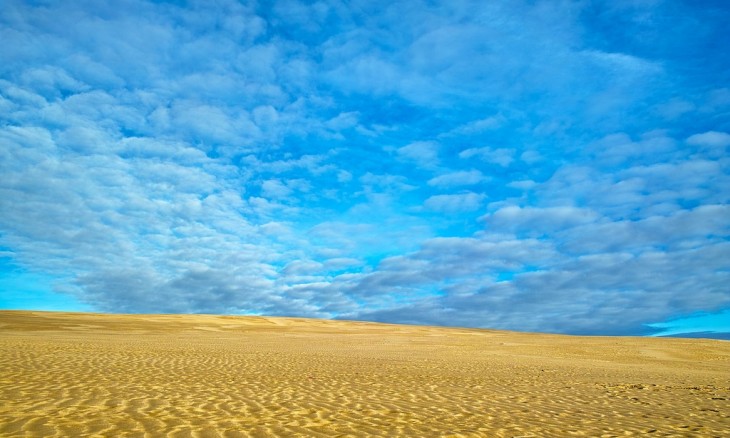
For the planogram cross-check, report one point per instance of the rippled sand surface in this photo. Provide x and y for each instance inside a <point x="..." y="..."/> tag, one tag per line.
<point x="71" y="375"/>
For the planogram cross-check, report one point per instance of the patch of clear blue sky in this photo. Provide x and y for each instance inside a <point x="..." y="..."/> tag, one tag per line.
<point x="22" y="290"/>
<point x="697" y="323"/>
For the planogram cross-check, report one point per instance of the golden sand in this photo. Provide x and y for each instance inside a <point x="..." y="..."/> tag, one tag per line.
<point x="71" y="375"/>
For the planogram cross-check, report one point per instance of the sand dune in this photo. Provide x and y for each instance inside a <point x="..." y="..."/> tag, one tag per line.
<point x="68" y="375"/>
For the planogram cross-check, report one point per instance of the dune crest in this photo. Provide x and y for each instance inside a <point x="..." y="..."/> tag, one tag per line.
<point x="73" y="374"/>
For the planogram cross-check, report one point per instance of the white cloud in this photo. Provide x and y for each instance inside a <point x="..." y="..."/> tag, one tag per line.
<point x="478" y="126"/>
<point x="617" y="149"/>
<point x="712" y="139"/>
<point x="675" y="108"/>
<point x="52" y="79"/>
<point x="344" y="176"/>
<point x="628" y="63"/>
<point x="300" y="267"/>
<point x="537" y="221"/>
<point x="342" y="121"/>
<point x="678" y="230"/>
<point x="314" y="164"/>
<point x="531" y="157"/>
<point x="275" y="189"/>
<point x="457" y="203"/>
<point x="211" y="124"/>
<point x="522" y="184"/>
<point x="423" y="153"/>
<point x="385" y="183"/>
<point x="458" y="178"/>
<point x="503" y="157"/>
<point x="265" y="116"/>
<point x="368" y="73"/>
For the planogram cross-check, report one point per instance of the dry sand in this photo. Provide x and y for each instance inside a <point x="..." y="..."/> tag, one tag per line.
<point x="70" y="375"/>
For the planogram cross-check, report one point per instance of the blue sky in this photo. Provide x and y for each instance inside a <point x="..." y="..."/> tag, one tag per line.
<point x="556" y="166"/>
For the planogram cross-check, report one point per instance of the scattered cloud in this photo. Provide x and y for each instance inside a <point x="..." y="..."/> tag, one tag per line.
<point x="503" y="157"/>
<point x="423" y="153"/>
<point x="457" y="203"/>
<point x="524" y="165"/>
<point x="458" y="178"/>
<point x="540" y="221"/>
<point x="712" y="139"/>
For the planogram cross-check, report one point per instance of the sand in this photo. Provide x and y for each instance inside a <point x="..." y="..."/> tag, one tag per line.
<point x="69" y="375"/>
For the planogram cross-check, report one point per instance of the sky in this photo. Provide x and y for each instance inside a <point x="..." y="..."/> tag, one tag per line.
<point x="550" y="166"/>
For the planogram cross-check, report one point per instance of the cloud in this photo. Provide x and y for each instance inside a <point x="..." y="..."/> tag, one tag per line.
<point x="458" y="178"/>
<point x="623" y="61"/>
<point x="114" y="218"/>
<point x="344" y="176"/>
<point x="462" y="202"/>
<point x="299" y="267"/>
<point x="274" y="188"/>
<point x="712" y="139"/>
<point x="313" y="164"/>
<point x="503" y="157"/>
<point x="683" y="229"/>
<point x="481" y="125"/>
<point x="619" y="149"/>
<point x="522" y="184"/>
<point x="423" y="153"/>
<point x="433" y="162"/>
<point x="538" y="221"/>
<point x="616" y="288"/>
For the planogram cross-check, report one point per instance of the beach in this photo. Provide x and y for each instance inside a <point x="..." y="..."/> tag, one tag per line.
<point x="83" y="374"/>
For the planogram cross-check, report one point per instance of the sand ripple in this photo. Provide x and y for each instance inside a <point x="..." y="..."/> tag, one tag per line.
<point x="69" y="375"/>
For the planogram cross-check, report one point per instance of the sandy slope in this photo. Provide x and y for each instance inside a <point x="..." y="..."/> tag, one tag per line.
<point x="113" y="375"/>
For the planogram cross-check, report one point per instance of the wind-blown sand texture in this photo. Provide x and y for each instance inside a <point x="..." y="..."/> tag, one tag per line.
<point x="69" y="375"/>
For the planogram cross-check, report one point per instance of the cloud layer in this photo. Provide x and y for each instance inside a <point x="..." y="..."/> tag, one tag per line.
<point x="548" y="166"/>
